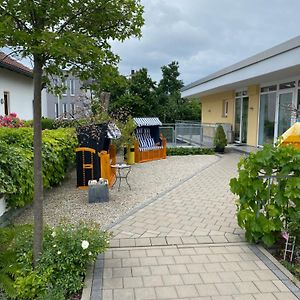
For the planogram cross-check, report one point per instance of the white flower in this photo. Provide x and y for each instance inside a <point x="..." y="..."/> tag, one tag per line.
<point x="90" y="253"/>
<point x="58" y="252"/>
<point x="54" y="245"/>
<point x="53" y="234"/>
<point x="85" y="244"/>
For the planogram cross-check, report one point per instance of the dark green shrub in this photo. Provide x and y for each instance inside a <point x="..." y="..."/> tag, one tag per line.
<point x="47" y="123"/>
<point x="189" y="151"/>
<point x="220" y="141"/>
<point x="16" y="163"/>
<point x="68" y="249"/>
<point x="264" y="205"/>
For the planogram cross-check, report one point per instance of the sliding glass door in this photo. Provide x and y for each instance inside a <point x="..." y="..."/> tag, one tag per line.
<point x="285" y="104"/>
<point x="241" y="119"/>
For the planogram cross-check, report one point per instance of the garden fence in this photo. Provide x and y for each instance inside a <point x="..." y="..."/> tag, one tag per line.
<point x="183" y="133"/>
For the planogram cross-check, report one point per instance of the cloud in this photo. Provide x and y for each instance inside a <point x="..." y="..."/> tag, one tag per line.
<point x="207" y="35"/>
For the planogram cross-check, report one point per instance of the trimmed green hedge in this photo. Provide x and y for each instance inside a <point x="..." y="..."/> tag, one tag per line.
<point x="189" y="151"/>
<point x="16" y="161"/>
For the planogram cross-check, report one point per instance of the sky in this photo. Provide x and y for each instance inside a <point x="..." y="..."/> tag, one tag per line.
<point x="205" y="36"/>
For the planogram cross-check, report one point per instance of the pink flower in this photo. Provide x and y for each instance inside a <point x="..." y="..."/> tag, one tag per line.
<point x="14" y="115"/>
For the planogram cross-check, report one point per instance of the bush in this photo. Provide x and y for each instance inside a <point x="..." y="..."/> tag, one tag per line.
<point x="47" y="123"/>
<point x="11" y="121"/>
<point x="263" y="208"/>
<point x="68" y="249"/>
<point x="220" y="141"/>
<point x="189" y="151"/>
<point x="16" y="163"/>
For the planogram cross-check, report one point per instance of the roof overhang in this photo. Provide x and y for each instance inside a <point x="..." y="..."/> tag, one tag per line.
<point x="259" y="69"/>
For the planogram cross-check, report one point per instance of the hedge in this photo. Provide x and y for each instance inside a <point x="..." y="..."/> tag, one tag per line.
<point x="16" y="161"/>
<point x="189" y="151"/>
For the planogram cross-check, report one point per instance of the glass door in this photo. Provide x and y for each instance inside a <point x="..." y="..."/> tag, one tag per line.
<point x="241" y="119"/>
<point x="237" y="124"/>
<point x="284" y="116"/>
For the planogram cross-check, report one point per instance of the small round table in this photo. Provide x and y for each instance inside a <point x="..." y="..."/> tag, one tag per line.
<point x="120" y="174"/>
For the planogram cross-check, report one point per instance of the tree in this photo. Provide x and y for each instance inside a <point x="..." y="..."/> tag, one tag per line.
<point x="168" y="92"/>
<point x="138" y="97"/>
<point x="59" y="35"/>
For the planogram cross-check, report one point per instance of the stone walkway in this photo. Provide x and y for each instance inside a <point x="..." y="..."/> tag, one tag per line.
<point x="185" y="244"/>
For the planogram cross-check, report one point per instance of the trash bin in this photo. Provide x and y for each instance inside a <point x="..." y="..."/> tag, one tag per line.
<point x="130" y="155"/>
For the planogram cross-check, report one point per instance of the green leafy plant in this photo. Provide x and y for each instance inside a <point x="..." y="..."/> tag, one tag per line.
<point x="189" y="151"/>
<point x="16" y="170"/>
<point x="220" y="141"/>
<point x="68" y="249"/>
<point x="268" y="190"/>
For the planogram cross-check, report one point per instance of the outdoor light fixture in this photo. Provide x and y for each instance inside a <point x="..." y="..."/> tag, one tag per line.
<point x="1" y="101"/>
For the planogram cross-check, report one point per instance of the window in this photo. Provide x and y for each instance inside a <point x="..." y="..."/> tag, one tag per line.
<point x="65" y="110"/>
<point x="72" y="109"/>
<point x="287" y="85"/>
<point x="56" y="110"/>
<point x="72" y="87"/>
<point x="267" y="89"/>
<point x="65" y="86"/>
<point x="6" y="103"/>
<point x="225" y="108"/>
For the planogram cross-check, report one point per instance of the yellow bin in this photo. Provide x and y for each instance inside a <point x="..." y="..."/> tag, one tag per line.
<point x="130" y="155"/>
<point x="292" y="136"/>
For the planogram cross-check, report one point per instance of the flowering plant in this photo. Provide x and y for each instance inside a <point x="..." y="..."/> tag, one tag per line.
<point x="68" y="249"/>
<point x="11" y="121"/>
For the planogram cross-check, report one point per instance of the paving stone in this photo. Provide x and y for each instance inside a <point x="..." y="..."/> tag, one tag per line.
<point x="166" y="260"/>
<point x="120" y="254"/>
<point x="185" y="291"/>
<point x="246" y="287"/>
<point x="283" y="296"/>
<point x="266" y="296"/>
<point x="159" y="270"/>
<point x="110" y="283"/>
<point x="132" y="282"/>
<point x="145" y="293"/>
<point x="153" y="281"/>
<point x="172" y="280"/>
<point x="123" y="294"/>
<point x="266" y="286"/>
<point x="226" y="289"/>
<point x="130" y="262"/>
<point x="178" y="269"/>
<point x="143" y="242"/>
<point x="107" y="294"/>
<point x="210" y="277"/>
<point x="141" y="271"/>
<point x="148" y="261"/>
<point x="121" y="272"/>
<point x="207" y="290"/>
<point x="166" y="292"/>
<point x="191" y="279"/>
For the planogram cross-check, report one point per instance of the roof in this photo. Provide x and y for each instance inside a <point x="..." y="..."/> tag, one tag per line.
<point x="274" y="51"/>
<point x="8" y="63"/>
<point x="147" y="122"/>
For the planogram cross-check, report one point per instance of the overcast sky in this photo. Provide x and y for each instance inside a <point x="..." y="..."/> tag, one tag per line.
<point x="207" y="35"/>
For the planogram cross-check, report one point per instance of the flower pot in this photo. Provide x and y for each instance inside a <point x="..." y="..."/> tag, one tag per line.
<point x="2" y="205"/>
<point x="219" y="149"/>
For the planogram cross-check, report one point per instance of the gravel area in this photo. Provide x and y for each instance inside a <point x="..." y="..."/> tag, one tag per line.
<point x="146" y="181"/>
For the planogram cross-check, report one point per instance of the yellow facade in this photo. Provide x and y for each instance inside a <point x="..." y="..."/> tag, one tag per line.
<point x="213" y="110"/>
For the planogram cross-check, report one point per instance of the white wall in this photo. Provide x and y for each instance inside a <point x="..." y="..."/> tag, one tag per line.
<point x="20" y="90"/>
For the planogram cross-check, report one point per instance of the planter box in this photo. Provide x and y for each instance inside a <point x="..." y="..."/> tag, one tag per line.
<point x="2" y="205"/>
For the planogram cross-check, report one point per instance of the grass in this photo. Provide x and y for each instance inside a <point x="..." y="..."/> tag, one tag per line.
<point x="189" y="151"/>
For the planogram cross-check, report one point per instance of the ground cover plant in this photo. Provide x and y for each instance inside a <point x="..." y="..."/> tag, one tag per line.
<point x="68" y="249"/>
<point x="16" y="162"/>
<point x="189" y="151"/>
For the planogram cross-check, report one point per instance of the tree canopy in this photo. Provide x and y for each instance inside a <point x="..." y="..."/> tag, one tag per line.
<point x="59" y="35"/>
<point x="143" y="97"/>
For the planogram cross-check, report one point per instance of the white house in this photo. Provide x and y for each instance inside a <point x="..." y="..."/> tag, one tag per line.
<point x="16" y="88"/>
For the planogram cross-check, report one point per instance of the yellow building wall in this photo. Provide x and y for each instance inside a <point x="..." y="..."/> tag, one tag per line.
<point x="253" y="112"/>
<point x="212" y="111"/>
<point x="212" y="108"/>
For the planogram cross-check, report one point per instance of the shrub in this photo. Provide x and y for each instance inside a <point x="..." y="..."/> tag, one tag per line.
<point x="189" y="151"/>
<point x="16" y="163"/>
<point x="268" y="187"/>
<point x="11" y="121"/>
<point x="47" y="123"/>
<point x="68" y="249"/>
<point x="220" y="141"/>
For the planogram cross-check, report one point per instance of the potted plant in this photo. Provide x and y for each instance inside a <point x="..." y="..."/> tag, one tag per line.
<point x="220" y="140"/>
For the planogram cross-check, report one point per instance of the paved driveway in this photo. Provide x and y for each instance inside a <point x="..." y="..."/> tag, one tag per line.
<point x="185" y="244"/>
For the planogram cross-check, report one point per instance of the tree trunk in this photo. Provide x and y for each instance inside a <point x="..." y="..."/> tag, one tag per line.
<point x="37" y="163"/>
